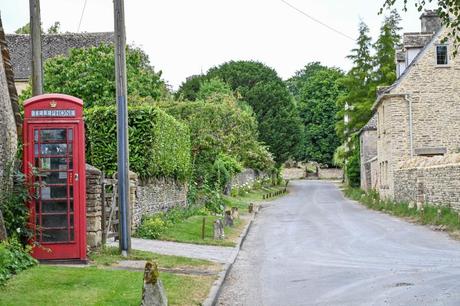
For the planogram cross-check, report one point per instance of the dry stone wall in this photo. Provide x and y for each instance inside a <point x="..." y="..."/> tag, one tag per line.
<point x="93" y="206"/>
<point x="434" y="181"/>
<point x="146" y="197"/>
<point x="157" y="195"/>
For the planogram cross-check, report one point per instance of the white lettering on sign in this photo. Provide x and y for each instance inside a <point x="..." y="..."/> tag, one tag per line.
<point x="53" y="113"/>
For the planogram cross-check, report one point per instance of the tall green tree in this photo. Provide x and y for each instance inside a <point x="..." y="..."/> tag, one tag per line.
<point x="385" y="47"/>
<point x="317" y="103"/>
<point x="296" y="82"/>
<point x="89" y="73"/>
<point x="355" y="104"/>
<point x="260" y="86"/>
<point x="188" y="90"/>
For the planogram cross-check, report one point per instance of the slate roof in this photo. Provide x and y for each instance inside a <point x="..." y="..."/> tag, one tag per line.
<point x="416" y="40"/>
<point x="371" y="125"/>
<point x="52" y="45"/>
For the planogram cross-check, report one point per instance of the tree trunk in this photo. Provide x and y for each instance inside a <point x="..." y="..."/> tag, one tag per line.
<point x="3" y="234"/>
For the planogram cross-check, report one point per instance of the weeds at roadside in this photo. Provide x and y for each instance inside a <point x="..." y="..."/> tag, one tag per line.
<point x="444" y="217"/>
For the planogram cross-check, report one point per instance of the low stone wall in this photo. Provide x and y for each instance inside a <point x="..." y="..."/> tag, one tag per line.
<point x="434" y="180"/>
<point x="330" y="173"/>
<point x="246" y="177"/>
<point x="93" y="206"/>
<point x="293" y="173"/>
<point x="156" y="195"/>
<point x="145" y="197"/>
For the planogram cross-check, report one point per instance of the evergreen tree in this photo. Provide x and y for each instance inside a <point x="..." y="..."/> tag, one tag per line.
<point x="385" y="46"/>
<point x="359" y="87"/>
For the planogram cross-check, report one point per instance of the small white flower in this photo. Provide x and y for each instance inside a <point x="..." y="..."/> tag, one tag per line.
<point x="18" y="230"/>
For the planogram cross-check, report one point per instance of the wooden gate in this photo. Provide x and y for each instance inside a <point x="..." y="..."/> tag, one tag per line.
<point x="110" y="219"/>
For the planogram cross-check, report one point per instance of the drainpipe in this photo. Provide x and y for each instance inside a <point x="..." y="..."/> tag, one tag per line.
<point x="411" y="138"/>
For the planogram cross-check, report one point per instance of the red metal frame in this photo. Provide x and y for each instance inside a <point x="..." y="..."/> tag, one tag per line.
<point x="36" y="120"/>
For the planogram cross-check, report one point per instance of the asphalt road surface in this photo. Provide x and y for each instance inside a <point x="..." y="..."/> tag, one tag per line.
<point x="314" y="247"/>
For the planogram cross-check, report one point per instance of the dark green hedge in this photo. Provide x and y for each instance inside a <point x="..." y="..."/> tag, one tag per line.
<point x="159" y="145"/>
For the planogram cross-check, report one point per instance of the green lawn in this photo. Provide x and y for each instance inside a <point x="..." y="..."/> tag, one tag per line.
<point x="189" y="231"/>
<point x="50" y="285"/>
<point x="111" y="255"/>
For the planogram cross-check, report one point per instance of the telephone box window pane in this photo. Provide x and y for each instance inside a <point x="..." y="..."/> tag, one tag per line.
<point x="36" y="149"/>
<point x="55" y="206"/>
<point x="54" y="177"/>
<point x="36" y="165"/>
<point x="72" y="238"/>
<point x="37" y="207"/>
<point x="54" y="220"/>
<point x="35" y="136"/>
<point x="51" y="163"/>
<point x="54" y="192"/>
<point x="69" y="134"/>
<point x="71" y="221"/>
<point x="69" y="146"/>
<point x="54" y="235"/>
<point x="53" y="135"/>
<point x="54" y="149"/>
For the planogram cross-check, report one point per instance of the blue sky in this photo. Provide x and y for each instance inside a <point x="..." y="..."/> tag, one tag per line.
<point x="184" y="37"/>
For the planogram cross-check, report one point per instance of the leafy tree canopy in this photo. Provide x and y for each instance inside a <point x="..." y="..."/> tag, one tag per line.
<point x="189" y="89"/>
<point x="89" y="73"/>
<point x="55" y="28"/>
<point x="260" y="86"/>
<point x="318" y="90"/>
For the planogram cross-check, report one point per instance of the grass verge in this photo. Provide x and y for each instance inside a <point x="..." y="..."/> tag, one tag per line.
<point x="445" y="217"/>
<point x="49" y="285"/>
<point x="107" y="256"/>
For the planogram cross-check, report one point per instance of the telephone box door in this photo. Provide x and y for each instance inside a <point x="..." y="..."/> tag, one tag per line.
<point x="56" y="177"/>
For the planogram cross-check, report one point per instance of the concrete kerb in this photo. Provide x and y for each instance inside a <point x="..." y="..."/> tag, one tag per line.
<point x="214" y="293"/>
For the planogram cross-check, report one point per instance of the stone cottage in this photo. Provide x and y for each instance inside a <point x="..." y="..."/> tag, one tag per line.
<point x="419" y="115"/>
<point x="52" y="46"/>
<point x="368" y="154"/>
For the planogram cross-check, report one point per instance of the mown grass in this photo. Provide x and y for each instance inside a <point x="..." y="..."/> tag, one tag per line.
<point x="50" y="285"/>
<point x="190" y="230"/>
<point x="430" y="215"/>
<point x="107" y="256"/>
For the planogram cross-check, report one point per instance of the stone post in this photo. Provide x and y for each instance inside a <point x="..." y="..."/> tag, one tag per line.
<point x="153" y="293"/>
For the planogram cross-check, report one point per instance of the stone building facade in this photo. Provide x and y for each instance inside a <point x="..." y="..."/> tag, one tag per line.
<point x="419" y="115"/>
<point x="368" y="152"/>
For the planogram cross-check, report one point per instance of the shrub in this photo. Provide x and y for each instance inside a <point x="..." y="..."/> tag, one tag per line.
<point x="14" y="193"/>
<point x="13" y="259"/>
<point x="152" y="227"/>
<point x="159" y="145"/>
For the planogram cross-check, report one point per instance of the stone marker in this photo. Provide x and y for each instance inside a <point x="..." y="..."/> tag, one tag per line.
<point x="153" y="293"/>
<point x="235" y="213"/>
<point x="251" y="208"/>
<point x="228" y="221"/>
<point x="218" y="230"/>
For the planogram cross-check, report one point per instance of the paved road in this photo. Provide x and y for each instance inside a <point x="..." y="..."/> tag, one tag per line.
<point x="314" y="247"/>
<point x="213" y="253"/>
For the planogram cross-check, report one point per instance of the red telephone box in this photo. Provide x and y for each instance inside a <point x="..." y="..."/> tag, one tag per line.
<point x="54" y="161"/>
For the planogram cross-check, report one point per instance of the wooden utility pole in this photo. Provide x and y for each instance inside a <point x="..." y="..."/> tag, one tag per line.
<point x="122" y="126"/>
<point x="36" y="41"/>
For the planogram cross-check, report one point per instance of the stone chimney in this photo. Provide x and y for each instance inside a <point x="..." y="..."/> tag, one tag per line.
<point x="430" y="21"/>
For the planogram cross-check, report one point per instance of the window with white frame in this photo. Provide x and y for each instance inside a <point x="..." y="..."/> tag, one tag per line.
<point x="442" y="57"/>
